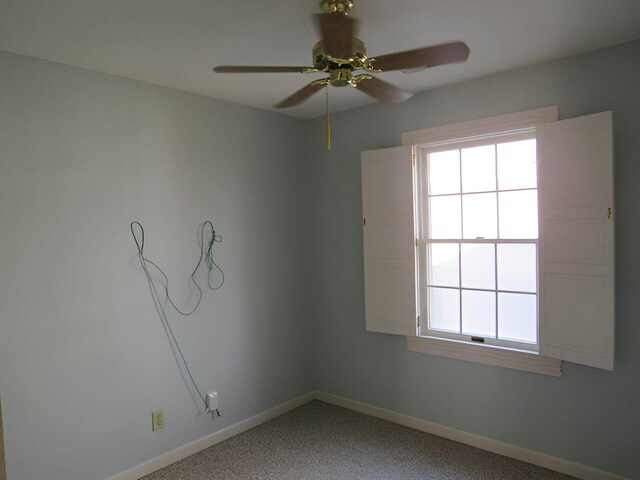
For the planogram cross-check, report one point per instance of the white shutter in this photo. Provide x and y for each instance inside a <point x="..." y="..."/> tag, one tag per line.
<point x="576" y="264"/>
<point x="389" y="240"/>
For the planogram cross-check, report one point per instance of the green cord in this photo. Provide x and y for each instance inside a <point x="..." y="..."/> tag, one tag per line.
<point x="161" y="304"/>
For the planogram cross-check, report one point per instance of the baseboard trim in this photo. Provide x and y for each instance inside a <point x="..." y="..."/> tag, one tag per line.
<point x="557" y="464"/>
<point x="578" y="470"/>
<point x="184" y="451"/>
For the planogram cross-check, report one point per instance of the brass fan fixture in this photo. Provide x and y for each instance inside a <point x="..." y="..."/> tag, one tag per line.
<point x="340" y="54"/>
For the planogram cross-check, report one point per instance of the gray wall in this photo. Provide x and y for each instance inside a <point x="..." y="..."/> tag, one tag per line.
<point x="588" y="416"/>
<point x="83" y="357"/>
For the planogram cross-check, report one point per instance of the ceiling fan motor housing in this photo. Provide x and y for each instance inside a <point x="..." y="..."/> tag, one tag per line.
<point x="326" y="63"/>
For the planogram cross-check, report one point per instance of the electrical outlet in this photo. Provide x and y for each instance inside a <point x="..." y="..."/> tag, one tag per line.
<point x="157" y="420"/>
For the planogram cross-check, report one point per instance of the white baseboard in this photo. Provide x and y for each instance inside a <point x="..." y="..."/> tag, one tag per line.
<point x="578" y="470"/>
<point x="184" y="451"/>
<point x="530" y="456"/>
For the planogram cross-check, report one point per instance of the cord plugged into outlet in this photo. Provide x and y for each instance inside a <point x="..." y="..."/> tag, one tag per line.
<point x="211" y="400"/>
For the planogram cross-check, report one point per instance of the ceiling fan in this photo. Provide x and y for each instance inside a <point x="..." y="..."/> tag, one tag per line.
<point x="340" y="54"/>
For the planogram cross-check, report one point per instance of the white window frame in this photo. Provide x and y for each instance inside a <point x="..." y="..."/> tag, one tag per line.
<point x="576" y="258"/>
<point x="476" y="132"/>
<point x="422" y="226"/>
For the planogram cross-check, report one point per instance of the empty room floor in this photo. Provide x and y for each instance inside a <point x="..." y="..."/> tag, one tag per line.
<point x="319" y="441"/>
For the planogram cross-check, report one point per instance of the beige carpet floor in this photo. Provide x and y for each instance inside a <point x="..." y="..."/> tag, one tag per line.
<point x="322" y="442"/>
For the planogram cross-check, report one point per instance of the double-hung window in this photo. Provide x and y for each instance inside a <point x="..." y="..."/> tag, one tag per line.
<point x="477" y="210"/>
<point x="492" y="240"/>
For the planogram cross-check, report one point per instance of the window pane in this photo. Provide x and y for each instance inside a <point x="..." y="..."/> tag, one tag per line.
<point x="478" y="169"/>
<point x="480" y="215"/>
<point x="517" y="267"/>
<point x="479" y="313"/>
<point x="444" y="309"/>
<point x="478" y="266"/>
<point x="444" y="217"/>
<point x="517" y="317"/>
<point x="518" y="214"/>
<point x="444" y="172"/>
<point x="517" y="165"/>
<point x="444" y="264"/>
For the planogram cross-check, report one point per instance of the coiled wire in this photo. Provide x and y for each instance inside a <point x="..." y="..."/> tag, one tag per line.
<point x="206" y="254"/>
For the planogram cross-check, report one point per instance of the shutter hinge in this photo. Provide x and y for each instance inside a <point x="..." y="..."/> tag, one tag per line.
<point x="413" y="159"/>
<point x="418" y="321"/>
<point x="609" y="212"/>
<point x="417" y="242"/>
<point x="364" y="221"/>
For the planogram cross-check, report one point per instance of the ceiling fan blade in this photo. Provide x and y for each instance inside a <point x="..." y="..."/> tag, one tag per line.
<point x="249" y="69"/>
<point x="383" y="91"/>
<point x="423" y="57"/>
<point x="337" y="31"/>
<point x="301" y="95"/>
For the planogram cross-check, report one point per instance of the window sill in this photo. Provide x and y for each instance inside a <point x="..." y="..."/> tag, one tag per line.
<point x="489" y="355"/>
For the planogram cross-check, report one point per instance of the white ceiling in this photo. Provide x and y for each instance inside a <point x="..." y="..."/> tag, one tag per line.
<point x="176" y="43"/>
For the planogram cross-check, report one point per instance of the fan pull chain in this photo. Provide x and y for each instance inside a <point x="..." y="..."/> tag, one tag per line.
<point x="328" y="120"/>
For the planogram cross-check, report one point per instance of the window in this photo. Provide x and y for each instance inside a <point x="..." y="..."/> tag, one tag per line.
<point x="492" y="240"/>
<point x="478" y="240"/>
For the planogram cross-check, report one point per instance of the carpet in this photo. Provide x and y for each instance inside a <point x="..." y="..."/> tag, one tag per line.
<point x="319" y="441"/>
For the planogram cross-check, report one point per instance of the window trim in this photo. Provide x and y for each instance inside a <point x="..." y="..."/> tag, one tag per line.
<point x="487" y="354"/>
<point x="476" y="131"/>
<point x="511" y="122"/>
